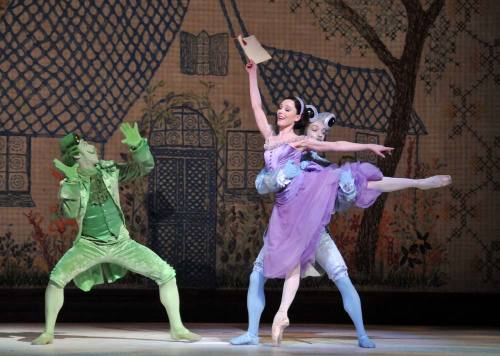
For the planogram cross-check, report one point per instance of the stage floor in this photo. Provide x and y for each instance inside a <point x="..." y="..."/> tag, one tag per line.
<point x="316" y="339"/>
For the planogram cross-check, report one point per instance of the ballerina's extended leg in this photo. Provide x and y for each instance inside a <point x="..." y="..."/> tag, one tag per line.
<point x="390" y="184"/>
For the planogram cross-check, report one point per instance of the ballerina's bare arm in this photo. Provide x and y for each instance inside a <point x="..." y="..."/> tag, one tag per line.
<point x="260" y="116"/>
<point x="342" y="146"/>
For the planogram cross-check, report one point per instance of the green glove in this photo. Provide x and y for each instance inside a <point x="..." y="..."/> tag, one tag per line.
<point x="131" y="134"/>
<point x="71" y="172"/>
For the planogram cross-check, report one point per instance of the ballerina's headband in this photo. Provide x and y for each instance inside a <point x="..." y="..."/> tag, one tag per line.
<point x="301" y="105"/>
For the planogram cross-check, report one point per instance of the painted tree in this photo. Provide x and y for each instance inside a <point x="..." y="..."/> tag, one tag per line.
<point x="404" y="70"/>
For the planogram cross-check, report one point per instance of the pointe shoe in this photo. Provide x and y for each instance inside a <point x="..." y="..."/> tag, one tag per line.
<point x="279" y="326"/>
<point x="184" y="335"/>
<point x="45" y="338"/>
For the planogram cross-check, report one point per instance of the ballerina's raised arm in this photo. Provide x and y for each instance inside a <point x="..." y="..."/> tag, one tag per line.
<point x="260" y="117"/>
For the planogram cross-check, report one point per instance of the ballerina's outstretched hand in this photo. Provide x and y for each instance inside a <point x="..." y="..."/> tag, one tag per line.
<point x="340" y="146"/>
<point x="379" y="150"/>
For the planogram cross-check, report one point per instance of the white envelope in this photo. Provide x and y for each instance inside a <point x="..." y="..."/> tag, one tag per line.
<point x="253" y="49"/>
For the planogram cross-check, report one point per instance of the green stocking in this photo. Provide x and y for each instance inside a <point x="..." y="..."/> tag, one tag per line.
<point x="169" y="297"/>
<point x="54" y="299"/>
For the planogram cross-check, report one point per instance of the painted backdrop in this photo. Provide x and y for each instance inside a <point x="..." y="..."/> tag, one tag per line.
<point x="423" y="76"/>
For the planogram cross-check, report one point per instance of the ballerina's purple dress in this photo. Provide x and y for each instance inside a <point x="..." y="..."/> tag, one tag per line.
<point x="304" y="208"/>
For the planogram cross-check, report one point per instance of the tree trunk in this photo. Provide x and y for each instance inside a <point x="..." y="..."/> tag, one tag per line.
<point x="404" y="71"/>
<point x="398" y="124"/>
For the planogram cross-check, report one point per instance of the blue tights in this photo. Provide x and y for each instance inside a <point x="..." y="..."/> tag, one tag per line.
<point x="256" y="302"/>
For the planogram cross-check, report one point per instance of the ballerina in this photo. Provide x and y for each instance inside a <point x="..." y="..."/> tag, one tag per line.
<point x="304" y="206"/>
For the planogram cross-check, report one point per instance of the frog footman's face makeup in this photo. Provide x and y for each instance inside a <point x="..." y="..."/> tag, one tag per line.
<point x="88" y="153"/>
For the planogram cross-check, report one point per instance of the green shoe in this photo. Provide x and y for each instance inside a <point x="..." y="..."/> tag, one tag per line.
<point x="44" y="339"/>
<point x="184" y="335"/>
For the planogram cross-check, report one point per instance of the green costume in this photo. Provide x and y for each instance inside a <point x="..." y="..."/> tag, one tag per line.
<point x="103" y="250"/>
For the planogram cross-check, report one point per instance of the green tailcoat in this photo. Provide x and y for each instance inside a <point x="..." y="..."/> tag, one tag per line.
<point x="74" y="196"/>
